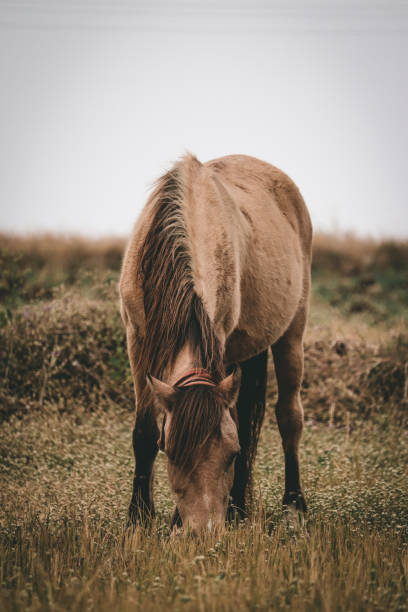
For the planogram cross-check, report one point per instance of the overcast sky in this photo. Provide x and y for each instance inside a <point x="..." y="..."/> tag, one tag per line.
<point x="99" y="97"/>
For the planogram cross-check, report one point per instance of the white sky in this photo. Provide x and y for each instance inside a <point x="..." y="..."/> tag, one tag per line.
<point x="99" y="97"/>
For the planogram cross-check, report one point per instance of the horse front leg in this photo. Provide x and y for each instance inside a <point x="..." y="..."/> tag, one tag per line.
<point x="145" y="447"/>
<point x="251" y="410"/>
<point x="288" y="358"/>
<point x="145" y="437"/>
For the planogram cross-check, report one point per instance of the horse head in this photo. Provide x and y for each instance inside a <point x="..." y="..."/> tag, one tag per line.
<point x="200" y="439"/>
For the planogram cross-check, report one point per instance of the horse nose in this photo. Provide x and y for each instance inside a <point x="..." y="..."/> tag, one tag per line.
<point x="208" y="526"/>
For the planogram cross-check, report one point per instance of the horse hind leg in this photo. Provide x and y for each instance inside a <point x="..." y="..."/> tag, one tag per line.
<point x="288" y="358"/>
<point x="251" y="410"/>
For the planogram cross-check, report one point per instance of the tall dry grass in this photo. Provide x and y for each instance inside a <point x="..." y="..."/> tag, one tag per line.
<point x="63" y="544"/>
<point x="66" y="405"/>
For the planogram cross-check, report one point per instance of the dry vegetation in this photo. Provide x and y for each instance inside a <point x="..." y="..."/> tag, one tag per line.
<point x="66" y="462"/>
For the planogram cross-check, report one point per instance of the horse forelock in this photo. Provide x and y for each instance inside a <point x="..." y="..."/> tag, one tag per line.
<point x="195" y="418"/>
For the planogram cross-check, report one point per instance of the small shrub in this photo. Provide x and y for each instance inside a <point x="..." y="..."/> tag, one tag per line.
<point x="69" y="348"/>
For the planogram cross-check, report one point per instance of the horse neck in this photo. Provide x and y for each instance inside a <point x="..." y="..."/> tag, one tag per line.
<point x="217" y="248"/>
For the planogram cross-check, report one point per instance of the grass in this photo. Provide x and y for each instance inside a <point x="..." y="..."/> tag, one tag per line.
<point x="66" y="461"/>
<point x="66" y="484"/>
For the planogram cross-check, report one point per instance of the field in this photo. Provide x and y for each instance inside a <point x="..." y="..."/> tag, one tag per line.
<point x="66" y="412"/>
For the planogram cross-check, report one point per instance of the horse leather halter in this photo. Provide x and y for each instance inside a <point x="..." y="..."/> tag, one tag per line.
<point x="195" y="377"/>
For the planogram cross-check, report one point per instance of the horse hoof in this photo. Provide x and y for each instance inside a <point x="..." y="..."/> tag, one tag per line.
<point x="176" y="523"/>
<point x="140" y="517"/>
<point x="235" y="514"/>
<point x="294" y="500"/>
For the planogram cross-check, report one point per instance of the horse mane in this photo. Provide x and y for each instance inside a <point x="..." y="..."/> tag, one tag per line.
<point x="174" y="313"/>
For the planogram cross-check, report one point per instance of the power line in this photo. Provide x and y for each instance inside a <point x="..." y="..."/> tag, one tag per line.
<point x="170" y="28"/>
<point x="207" y="8"/>
<point x="320" y="17"/>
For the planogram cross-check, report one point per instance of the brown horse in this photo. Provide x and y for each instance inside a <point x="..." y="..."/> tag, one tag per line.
<point x="217" y="270"/>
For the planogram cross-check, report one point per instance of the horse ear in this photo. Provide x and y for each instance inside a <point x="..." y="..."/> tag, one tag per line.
<point x="229" y="386"/>
<point x="163" y="394"/>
